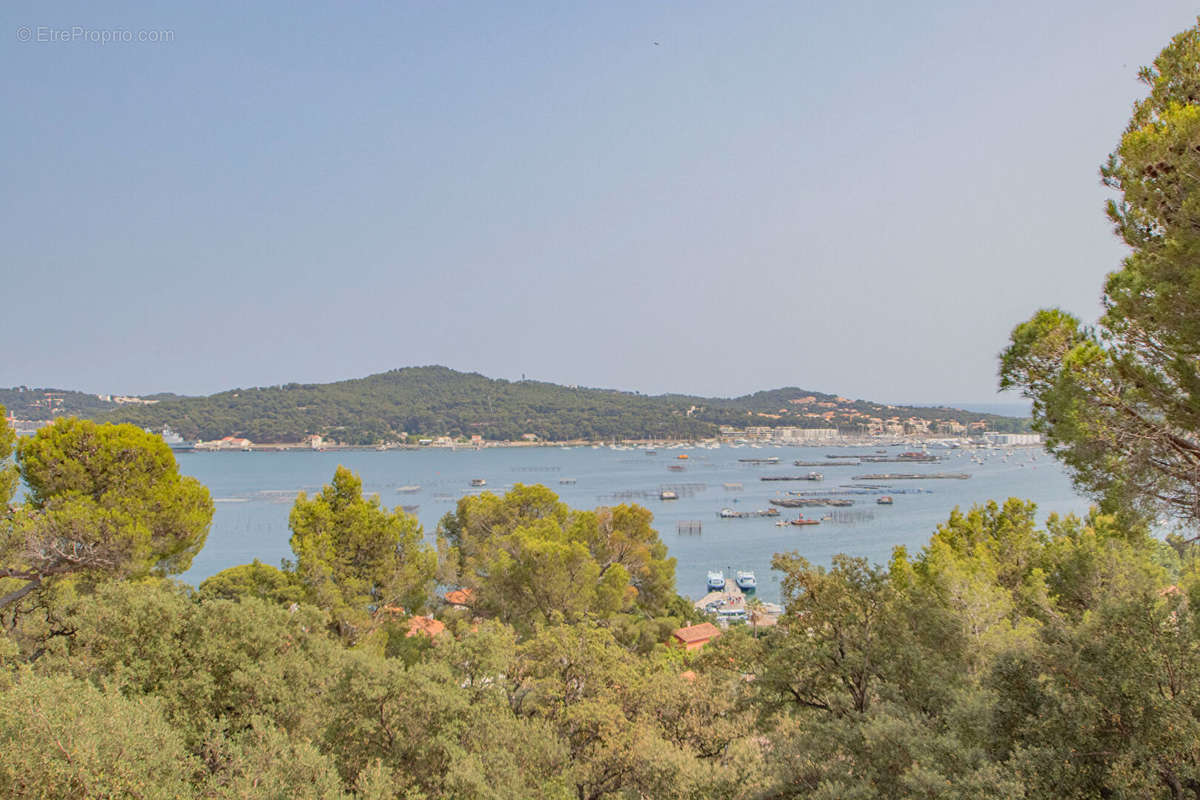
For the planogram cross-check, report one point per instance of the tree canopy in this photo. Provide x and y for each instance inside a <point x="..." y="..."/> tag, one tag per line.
<point x="104" y="501"/>
<point x="1119" y="401"/>
<point x="528" y="558"/>
<point x="356" y="558"/>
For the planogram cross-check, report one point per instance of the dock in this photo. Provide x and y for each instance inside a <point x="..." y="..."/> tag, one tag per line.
<point x="730" y="595"/>
<point x="733" y="597"/>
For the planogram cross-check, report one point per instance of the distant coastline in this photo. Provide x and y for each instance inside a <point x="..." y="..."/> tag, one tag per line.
<point x="425" y="403"/>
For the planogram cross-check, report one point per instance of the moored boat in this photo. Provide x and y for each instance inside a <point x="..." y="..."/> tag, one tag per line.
<point x="746" y="581"/>
<point x="716" y="580"/>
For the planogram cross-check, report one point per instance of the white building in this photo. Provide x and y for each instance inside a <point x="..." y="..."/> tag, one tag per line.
<point x="1013" y="438"/>
<point x="805" y="435"/>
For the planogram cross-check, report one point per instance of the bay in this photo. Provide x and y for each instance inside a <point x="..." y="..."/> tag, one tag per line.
<point x="254" y="493"/>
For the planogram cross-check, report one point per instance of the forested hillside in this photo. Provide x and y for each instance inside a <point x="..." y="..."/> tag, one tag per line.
<point x="436" y="401"/>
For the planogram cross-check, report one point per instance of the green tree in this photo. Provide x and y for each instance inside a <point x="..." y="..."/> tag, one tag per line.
<point x="530" y="559"/>
<point x="105" y="501"/>
<point x="1119" y="402"/>
<point x="8" y="470"/>
<point x="356" y="558"/>
<point x="255" y="579"/>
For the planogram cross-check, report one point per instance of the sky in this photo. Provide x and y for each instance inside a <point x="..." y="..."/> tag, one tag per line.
<point x="701" y="197"/>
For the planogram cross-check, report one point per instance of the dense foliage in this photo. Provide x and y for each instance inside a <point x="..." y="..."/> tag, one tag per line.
<point x="436" y="401"/>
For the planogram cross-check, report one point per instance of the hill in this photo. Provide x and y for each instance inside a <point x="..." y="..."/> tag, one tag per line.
<point x="438" y="401"/>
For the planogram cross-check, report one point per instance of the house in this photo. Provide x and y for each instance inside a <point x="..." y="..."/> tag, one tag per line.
<point x="693" y="637"/>
<point x="426" y="625"/>
<point x="460" y="598"/>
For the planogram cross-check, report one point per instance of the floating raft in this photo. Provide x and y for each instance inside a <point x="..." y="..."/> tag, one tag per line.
<point x="913" y="476"/>
<point x="812" y="476"/>
<point x="771" y="460"/>
<point x="729" y="513"/>
<point x="805" y="502"/>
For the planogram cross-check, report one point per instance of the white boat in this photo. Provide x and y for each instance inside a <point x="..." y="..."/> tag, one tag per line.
<point x="716" y="580"/>
<point x="408" y="489"/>
<point x="746" y="581"/>
<point x="478" y="482"/>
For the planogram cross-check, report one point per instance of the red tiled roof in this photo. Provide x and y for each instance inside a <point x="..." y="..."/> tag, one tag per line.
<point x="460" y="597"/>
<point x="426" y="625"/>
<point x="697" y="633"/>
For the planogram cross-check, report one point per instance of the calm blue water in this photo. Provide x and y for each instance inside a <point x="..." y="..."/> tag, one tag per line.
<point x="255" y="491"/>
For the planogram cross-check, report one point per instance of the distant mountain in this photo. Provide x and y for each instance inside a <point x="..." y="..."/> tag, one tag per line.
<point x="436" y="401"/>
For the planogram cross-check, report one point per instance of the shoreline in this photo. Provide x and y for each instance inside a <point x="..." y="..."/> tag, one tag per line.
<point x="637" y="444"/>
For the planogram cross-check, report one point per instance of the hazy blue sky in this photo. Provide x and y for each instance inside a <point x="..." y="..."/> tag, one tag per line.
<point x="703" y="197"/>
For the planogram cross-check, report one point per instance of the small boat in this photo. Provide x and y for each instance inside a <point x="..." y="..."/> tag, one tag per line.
<point x="727" y="513"/>
<point x="716" y="580"/>
<point x="478" y="482"/>
<point x="408" y="489"/>
<point x="667" y="494"/>
<point x="675" y="467"/>
<point x="746" y="581"/>
<point x="682" y="456"/>
<point x="566" y="481"/>
<point x="886" y="500"/>
<point x="803" y="520"/>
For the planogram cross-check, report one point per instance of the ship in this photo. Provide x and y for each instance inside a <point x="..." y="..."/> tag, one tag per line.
<point x="716" y="580"/>
<point x="175" y="441"/>
<point x="746" y="581"/>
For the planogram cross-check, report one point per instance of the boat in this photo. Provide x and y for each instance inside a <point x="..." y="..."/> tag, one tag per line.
<point x="716" y="580"/>
<point x="886" y="500"/>
<point x="478" y="482"/>
<point x="727" y="513"/>
<point x="408" y="489"/>
<point x="667" y="494"/>
<point x="746" y="581"/>
<point x="682" y="456"/>
<point x="566" y="481"/>
<point x="803" y="520"/>
<point x="177" y="442"/>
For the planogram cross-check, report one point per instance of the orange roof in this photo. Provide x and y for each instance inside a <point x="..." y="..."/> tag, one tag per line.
<point x="697" y="633"/>
<point x="460" y="597"/>
<point x="426" y="625"/>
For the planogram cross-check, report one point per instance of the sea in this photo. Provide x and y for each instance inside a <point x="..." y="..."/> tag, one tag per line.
<point x="254" y="492"/>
